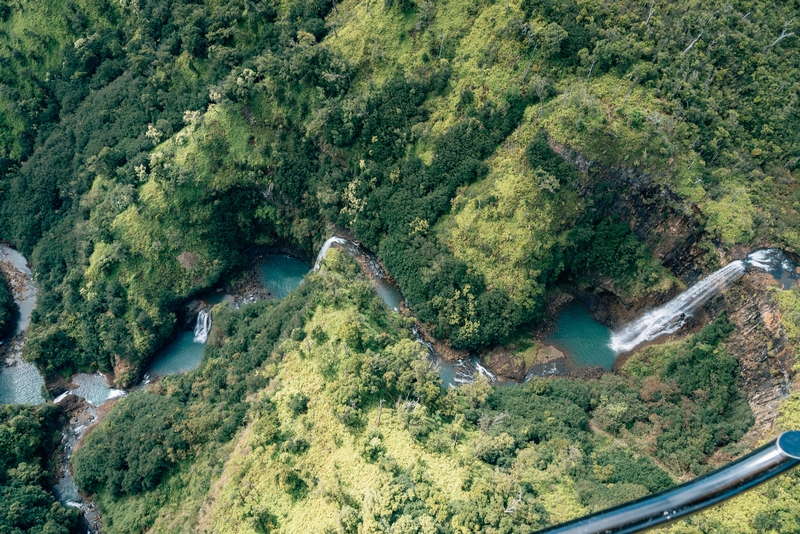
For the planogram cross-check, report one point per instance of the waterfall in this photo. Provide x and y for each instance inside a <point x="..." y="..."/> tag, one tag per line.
<point x="203" y="326"/>
<point x="483" y="371"/>
<point x="324" y="250"/>
<point x="671" y="316"/>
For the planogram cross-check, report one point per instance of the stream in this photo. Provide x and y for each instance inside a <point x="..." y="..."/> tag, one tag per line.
<point x="20" y="381"/>
<point x="459" y="372"/>
<point x="585" y="342"/>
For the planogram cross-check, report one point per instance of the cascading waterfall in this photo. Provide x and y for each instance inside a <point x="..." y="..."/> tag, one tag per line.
<point x="324" y="250"/>
<point x="203" y="326"/>
<point x="670" y="317"/>
<point x="458" y="373"/>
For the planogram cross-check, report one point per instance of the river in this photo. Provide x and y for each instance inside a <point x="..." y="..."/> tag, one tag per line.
<point x="20" y="381"/>
<point x="585" y="342"/>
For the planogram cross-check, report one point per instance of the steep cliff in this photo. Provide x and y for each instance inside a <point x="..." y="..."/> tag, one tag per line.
<point x="761" y="345"/>
<point x="670" y="226"/>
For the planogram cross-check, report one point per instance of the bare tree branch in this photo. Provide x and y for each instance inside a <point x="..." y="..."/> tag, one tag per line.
<point x="530" y="64"/>
<point x="513" y="505"/>
<point x="590" y="70"/>
<point x="783" y="34"/>
<point x="380" y="410"/>
<point x="692" y="43"/>
<point x="497" y="419"/>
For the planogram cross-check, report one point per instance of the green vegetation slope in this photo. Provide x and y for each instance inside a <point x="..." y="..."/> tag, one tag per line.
<point x="322" y="401"/>
<point x="165" y="137"/>
<point x="145" y="144"/>
<point x="28" y="437"/>
<point x="8" y="308"/>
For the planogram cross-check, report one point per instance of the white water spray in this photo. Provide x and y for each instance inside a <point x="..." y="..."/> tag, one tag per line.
<point x="202" y="327"/>
<point x="324" y="250"/>
<point x="670" y="317"/>
<point x="771" y="260"/>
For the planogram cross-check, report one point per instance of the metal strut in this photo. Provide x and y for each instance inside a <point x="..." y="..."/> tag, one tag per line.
<point x="703" y="492"/>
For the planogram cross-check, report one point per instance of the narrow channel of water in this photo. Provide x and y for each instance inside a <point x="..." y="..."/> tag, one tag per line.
<point x="463" y="371"/>
<point x="20" y="381"/>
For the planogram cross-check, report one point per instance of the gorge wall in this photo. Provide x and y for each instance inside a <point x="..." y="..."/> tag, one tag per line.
<point x="670" y="228"/>
<point x="761" y="345"/>
<point x="672" y="231"/>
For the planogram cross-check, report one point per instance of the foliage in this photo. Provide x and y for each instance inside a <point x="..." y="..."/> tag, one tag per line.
<point x="88" y="204"/>
<point x="689" y="402"/>
<point x="353" y="423"/>
<point x="127" y="466"/>
<point x="8" y="309"/>
<point x="146" y="144"/>
<point x="771" y="507"/>
<point x="285" y="116"/>
<point x="28" y="437"/>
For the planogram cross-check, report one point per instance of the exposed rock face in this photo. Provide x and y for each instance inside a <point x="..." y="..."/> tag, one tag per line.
<point x="57" y="385"/>
<point x="506" y="364"/>
<point x="125" y="373"/>
<point x="17" y="282"/>
<point x="656" y="215"/>
<point x="762" y="347"/>
<point x="447" y="353"/>
<point x="672" y="231"/>
<point x="190" y="312"/>
<point x="72" y="404"/>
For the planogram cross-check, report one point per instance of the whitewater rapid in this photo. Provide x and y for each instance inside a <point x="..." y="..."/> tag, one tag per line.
<point x="20" y="381"/>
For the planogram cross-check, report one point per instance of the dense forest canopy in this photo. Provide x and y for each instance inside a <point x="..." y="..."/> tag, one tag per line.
<point x="310" y="376"/>
<point x="8" y="308"/>
<point x="28" y="436"/>
<point x="141" y="128"/>
<point x="323" y="401"/>
<point x="145" y="145"/>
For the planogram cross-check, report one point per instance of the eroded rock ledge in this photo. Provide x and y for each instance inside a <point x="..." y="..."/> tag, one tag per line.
<point x="761" y="345"/>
